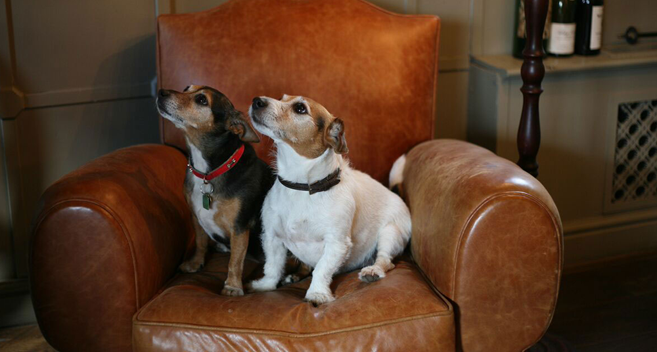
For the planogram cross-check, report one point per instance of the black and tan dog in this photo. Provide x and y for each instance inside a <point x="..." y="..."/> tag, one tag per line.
<point x="226" y="182"/>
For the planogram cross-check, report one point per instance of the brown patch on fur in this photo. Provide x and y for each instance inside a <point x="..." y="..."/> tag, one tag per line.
<point x="192" y="88"/>
<point x="197" y="260"/>
<point x="304" y="270"/>
<point x="227" y="211"/>
<point x="199" y="117"/>
<point x="334" y="136"/>
<point x="239" y="242"/>
<point x="243" y="129"/>
<point x="310" y="134"/>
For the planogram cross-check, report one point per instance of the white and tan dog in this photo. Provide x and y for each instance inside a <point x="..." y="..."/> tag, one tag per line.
<point x="330" y="216"/>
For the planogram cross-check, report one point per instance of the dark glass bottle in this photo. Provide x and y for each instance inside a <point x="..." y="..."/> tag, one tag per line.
<point x="588" y="39"/>
<point x="520" y="30"/>
<point x="562" y="30"/>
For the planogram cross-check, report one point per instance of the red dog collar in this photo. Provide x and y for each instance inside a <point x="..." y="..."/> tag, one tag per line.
<point x="221" y="169"/>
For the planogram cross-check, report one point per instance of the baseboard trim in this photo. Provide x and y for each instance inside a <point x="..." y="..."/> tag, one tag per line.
<point x="87" y="95"/>
<point x="15" y="303"/>
<point x="14" y="288"/>
<point x="595" y="244"/>
<point x="602" y="222"/>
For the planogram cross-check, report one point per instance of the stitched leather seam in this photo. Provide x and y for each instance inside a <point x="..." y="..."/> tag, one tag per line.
<point x="162" y="292"/>
<point x="293" y="335"/>
<point x="555" y="223"/>
<point x="115" y="218"/>
<point x="432" y="286"/>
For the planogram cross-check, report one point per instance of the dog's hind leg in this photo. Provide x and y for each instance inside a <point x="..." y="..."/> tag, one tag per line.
<point x="198" y="259"/>
<point x="390" y="243"/>
<point x="238" y="244"/>
<point x="301" y="272"/>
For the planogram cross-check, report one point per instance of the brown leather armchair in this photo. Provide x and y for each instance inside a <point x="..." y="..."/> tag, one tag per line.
<point x="486" y="251"/>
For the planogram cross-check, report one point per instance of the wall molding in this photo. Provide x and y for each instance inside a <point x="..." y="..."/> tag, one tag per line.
<point x="605" y="243"/>
<point x="578" y="226"/>
<point x="12" y="102"/>
<point x="15" y="303"/>
<point x="87" y="95"/>
<point x="453" y="64"/>
<point x="14" y="288"/>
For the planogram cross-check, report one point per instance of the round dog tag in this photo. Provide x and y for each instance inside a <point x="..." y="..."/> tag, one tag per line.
<point x="207" y="188"/>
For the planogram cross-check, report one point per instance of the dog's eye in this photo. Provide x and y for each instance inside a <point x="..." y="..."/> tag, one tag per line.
<point x="300" y="108"/>
<point x="201" y="99"/>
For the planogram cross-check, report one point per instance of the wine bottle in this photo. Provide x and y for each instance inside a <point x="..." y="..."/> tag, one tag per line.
<point x="562" y="31"/>
<point x="520" y="30"/>
<point x="588" y="39"/>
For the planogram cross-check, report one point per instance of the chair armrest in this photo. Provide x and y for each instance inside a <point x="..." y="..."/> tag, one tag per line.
<point x="105" y="239"/>
<point x="489" y="237"/>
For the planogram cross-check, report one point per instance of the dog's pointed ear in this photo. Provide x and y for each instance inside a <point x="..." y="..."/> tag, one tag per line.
<point x="334" y="137"/>
<point x="239" y="126"/>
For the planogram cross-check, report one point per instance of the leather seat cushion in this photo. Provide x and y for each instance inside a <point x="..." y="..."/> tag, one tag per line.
<point x="400" y="310"/>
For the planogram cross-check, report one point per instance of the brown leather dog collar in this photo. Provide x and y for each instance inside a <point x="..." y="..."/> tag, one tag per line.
<point x="320" y="186"/>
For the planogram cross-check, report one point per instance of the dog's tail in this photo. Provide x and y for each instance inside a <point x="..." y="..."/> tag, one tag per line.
<point x="396" y="178"/>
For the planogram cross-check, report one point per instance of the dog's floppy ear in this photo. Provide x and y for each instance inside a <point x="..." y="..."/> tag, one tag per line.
<point x="334" y="137"/>
<point x="239" y="126"/>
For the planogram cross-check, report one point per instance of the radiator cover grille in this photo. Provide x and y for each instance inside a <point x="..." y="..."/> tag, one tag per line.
<point x="635" y="156"/>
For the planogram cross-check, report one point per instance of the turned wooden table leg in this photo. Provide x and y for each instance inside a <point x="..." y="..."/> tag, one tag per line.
<point x="533" y="71"/>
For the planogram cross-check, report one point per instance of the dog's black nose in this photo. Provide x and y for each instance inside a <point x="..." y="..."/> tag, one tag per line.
<point x="163" y="93"/>
<point x="258" y="103"/>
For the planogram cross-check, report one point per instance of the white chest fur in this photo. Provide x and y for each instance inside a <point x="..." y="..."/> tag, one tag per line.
<point x="206" y="218"/>
<point x="300" y="224"/>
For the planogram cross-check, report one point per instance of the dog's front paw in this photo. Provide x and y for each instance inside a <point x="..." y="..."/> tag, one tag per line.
<point x="232" y="291"/>
<point x="371" y="273"/>
<point x="291" y="279"/>
<point x="317" y="298"/>
<point x="191" y="266"/>
<point x="261" y="285"/>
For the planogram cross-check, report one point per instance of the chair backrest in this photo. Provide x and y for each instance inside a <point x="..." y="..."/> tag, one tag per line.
<point x="374" y="69"/>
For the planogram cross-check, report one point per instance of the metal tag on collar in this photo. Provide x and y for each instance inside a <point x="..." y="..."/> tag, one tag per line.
<point x="207" y="201"/>
<point x="206" y="190"/>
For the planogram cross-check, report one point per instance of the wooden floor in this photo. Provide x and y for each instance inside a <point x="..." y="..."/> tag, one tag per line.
<point x="23" y="339"/>
<point x="609" y="306"/>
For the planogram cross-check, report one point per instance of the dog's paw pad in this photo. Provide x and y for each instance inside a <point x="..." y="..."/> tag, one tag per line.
<point x="190" y="266"/>
<point x="371" y="274"/>
<point x="290" y="279"/>
<point x="232" y="291"/>
<point x="317" y="298"/>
